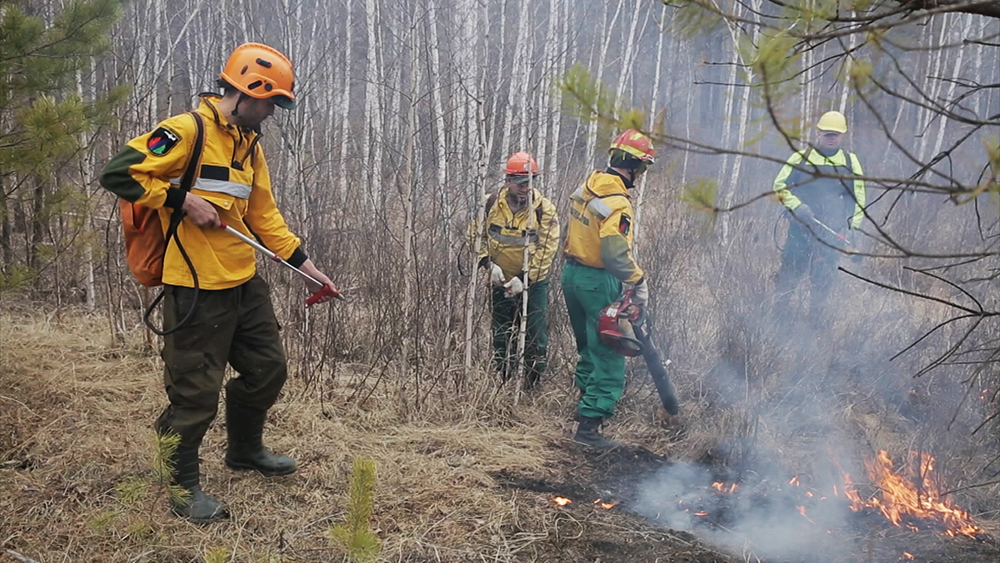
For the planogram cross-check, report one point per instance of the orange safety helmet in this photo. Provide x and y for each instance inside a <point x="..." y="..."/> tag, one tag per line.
<point x="521" y="164"/>
<point x="635" y="144"/>
<point x="260" y="71"/>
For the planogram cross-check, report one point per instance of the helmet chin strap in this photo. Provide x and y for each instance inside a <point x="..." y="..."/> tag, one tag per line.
<point x="236" y="108"/>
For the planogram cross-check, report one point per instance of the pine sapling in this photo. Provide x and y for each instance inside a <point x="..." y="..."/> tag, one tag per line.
<point x="164" y="447"/>
<point x="355" y="534"/>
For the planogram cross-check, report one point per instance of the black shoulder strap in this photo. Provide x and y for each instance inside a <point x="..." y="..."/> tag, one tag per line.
<point x="190" y="173"/>
<point x="491" y="201"/>
<point x="194" y="160"/>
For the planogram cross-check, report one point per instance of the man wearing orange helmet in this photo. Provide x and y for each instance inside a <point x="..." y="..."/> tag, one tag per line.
<point x="511" y="226"/>
<point x="599" y="261"/>
<point x="212" y="274"/>
<point x="824" y="205"/>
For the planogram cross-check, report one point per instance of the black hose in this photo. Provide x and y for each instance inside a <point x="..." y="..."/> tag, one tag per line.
<point x="175" y="220"/>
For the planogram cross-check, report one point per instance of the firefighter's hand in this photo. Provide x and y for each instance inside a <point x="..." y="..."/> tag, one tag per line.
<point x="640" y="293"/>
<point x="201" y="211"/>
<point x="805" y="214"/>
<point x="496" y="275"/>
<point x="311" y="269"/>
<point x="514" y="287"/>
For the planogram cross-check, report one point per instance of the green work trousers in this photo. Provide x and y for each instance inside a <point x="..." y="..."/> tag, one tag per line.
<point x="506" y="321"/>
<point x="600" y="371"/>
<point x="235" y="326"/>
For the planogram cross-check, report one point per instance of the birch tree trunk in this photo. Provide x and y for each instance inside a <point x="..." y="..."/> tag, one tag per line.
<point x="344" y="111"/>
<point x="599" y="74"/>
<point x="371" y="141"/>
<point x="447" y="202"/>
<point x="652" y="113"/>
<point x="406" y="189"/>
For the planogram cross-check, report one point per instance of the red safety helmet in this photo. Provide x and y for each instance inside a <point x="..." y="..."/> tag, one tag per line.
<point x="260" y="71"/>
<point x="521" y="164"/>
<point x="636" y="144"/>
<point x="614" y="326"/>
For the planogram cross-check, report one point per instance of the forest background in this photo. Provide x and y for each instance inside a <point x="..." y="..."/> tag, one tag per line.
<point x="407" y="112"/>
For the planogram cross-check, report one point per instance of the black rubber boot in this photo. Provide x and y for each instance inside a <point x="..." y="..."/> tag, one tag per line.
<point x="245" y="429"/>
<point x="589" y="434"/>
<point x="197" y="507"/>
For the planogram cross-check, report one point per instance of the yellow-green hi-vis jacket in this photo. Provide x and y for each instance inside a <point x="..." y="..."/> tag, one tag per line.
<point x="505" y="235"/>
<point x="806" y="178"/>
<point x="599" y="233"/>
<point x="233" y="177"/>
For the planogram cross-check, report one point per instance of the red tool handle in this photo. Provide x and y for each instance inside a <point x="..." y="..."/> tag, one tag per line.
<point x="325" y="291"/>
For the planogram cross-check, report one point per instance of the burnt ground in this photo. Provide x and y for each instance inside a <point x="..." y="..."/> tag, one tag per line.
<point x="630" y="531"/>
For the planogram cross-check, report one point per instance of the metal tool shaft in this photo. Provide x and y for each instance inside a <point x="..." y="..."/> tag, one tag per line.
<point x="270" y="254"/>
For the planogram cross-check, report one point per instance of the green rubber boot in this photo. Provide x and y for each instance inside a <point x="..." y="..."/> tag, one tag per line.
<point x="246" y="451"/>
<point x="197" y="507"/>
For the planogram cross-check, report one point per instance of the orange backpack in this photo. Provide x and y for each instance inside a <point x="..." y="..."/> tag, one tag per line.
<point x="145" y="241"/>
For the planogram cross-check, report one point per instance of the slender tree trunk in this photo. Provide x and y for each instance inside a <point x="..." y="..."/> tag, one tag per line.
<point x="599" y="73"/>
<point x="447" y="202"/>
<point x="407" y="196"/>
<point x="345" y="104"/>
<point x="652" y="113"/>
<point x="372" y="142"/>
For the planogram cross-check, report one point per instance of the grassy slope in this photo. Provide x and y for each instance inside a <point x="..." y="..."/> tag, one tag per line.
<point x="75" y="482"/>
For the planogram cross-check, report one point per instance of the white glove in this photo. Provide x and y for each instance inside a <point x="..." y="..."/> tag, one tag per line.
<point x="640" y="293"/>
<point x="514" y="287"/>
<point x="496" y="275"/>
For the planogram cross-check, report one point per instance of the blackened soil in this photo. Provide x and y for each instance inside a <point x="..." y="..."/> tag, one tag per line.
<point x="590" y="533"/>
<point x="593" y="533"/>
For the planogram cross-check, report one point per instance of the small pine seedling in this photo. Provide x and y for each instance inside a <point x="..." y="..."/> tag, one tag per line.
<point x="217" y="555"/>
<point x="164" y="446"/>
<point x="355" y="534"/>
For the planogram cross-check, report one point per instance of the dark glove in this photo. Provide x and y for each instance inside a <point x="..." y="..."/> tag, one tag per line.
<point x="805" y="214"/>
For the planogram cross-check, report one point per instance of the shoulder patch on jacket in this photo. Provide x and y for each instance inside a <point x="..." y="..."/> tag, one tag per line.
<point x="624" y="224"/>
<point x="162" y="140"/>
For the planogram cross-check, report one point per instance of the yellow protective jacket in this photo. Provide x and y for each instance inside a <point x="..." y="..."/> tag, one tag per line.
<point x="505" y="234"/>
<point x="233" y="177"/>
<point x="805" y="178"/>
<point x="599" y="232"/>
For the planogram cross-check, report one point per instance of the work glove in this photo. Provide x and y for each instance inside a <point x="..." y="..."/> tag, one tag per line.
<point x="805" y="214"/>
<point x="514" y="287"/>
<point x="496" y="275"/>
<point x="640" y="293"/>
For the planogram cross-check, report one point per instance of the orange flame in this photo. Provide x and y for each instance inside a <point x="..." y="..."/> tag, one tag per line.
<point x="561" y="501"/>
<point x="606" y="505"/>
<point x="907" y="555"/>
<point x="723" y="488"/>
<point x="802" y="511"/>
<point x="900" y="499"/>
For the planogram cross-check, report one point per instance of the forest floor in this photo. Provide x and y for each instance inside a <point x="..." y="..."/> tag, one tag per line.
<point x="76" y="482"/>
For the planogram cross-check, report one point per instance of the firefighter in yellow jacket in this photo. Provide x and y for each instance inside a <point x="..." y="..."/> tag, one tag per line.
<point x="509" y="228"/>
<point x="232" y="320"/>
<point x="599" y="262"/>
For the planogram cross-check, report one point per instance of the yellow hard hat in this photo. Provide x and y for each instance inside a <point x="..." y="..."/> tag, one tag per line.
<point x="832" y="121"/>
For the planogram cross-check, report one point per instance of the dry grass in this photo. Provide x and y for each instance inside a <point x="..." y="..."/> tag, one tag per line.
<point x="75" y="450"/>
